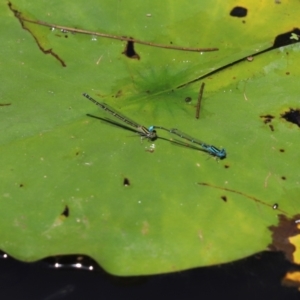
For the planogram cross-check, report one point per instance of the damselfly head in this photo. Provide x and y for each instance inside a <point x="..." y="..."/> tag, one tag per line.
<point x="221" y="153"/>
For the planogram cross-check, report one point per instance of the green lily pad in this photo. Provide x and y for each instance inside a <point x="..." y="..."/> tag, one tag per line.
<point x="75" y="184"/>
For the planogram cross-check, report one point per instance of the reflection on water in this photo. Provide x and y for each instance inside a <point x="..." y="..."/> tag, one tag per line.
<point x="61" y="293"/>
<point x="79" y="262"/>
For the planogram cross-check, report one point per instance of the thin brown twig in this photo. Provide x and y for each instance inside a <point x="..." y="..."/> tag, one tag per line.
<point x="116" y="37"/>
<point x="199" y="100"/>
<point x="242" y="194"/>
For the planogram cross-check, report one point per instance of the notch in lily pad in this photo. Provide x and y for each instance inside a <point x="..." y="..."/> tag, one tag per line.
<point x="129" y="50"/>
<point x="287" y="38"/>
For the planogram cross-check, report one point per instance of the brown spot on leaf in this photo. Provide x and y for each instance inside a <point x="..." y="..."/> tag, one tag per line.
<point x="267" y="118"/>
<point x="239" y="12"/>
<point x="224" y="198"/>
<point x="118" y="94"/>
<point x="293" y="116"/>
<point x="126" y="182"/>
<point x="281" y="233"/>
<point x="66" y="211"/>
<point x="145" y="228"/>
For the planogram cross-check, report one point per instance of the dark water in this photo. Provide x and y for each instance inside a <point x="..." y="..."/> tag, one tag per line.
<point x="256" y="277"/>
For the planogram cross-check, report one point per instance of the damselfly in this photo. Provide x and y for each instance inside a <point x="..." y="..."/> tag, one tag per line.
<point x="212" y="150"/>
<point x="149" y="133"/>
